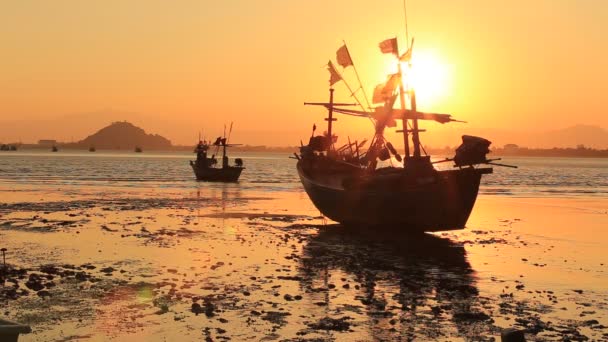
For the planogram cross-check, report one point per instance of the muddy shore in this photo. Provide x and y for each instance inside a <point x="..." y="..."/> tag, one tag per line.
<point x="219" y="265"/>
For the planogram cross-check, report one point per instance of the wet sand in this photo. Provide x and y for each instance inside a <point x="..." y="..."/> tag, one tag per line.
<point x="224" y="265"/>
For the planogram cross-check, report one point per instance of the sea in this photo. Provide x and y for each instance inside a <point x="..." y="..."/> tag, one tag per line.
<point x="274" y="172"/>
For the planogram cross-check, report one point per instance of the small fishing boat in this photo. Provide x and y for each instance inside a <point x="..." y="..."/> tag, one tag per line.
<point x="207" y="169"/>
<point x="410" y="195"/>
<point x="92" y="149"/>
<point x="138" y="149"/>
<point x="8" y="147"/>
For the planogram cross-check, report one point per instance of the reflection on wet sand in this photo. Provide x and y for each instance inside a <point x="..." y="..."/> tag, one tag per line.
<point x="220" y="264"/>
<point x="419" y="286"/>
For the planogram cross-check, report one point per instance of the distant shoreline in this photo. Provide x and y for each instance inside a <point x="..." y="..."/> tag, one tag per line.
<point x="578" y="152"/>
<point x="72" y="147"/>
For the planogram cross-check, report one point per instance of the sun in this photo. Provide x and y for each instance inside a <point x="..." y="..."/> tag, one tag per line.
<point x="429" y="76"/>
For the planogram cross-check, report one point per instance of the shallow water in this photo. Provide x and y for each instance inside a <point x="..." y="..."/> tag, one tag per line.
<point x="276" y="172"/>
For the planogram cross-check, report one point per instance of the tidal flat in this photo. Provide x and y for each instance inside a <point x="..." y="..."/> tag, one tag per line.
<point x="219" y="264"/>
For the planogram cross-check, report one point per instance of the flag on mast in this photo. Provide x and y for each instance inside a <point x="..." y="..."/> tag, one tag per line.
<point x="407" y="56"/>
<point x="334" y="75"/>
<point x="389" y="46"/>
<point x="384" y="91"/>
<point x="343" y="57"/>
<point x="381" y="93"/>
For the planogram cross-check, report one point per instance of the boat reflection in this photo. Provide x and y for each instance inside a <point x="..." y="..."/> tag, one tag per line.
<point x="420" y="286"/>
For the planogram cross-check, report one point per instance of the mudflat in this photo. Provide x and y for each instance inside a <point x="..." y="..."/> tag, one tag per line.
<point x="221" y="264"/>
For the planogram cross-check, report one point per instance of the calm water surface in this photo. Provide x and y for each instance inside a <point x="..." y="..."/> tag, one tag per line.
<point x="555" y="177"/>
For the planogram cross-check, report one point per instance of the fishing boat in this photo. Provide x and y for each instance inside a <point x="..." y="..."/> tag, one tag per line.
<point x="207" y="169"/>
<point x="138" y="149"/>
<point x="92" y="149"/>
<point x="356" y="188"/>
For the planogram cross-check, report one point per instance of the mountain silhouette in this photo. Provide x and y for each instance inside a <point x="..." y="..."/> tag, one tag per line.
<point x="125" y="135"/>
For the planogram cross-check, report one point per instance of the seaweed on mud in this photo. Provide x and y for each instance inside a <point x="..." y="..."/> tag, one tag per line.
<point x="41" y="225"/>
<point x="119" y="204"/>
<point x="276" y="317"/>
<point x="334" y="324"/>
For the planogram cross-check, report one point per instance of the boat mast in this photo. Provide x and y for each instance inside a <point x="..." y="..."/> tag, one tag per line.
<point x="415" y="136"/>
<point x="330" y="118"/>
<point x="415" y="130"/>
<point x="412" y="96"/>
<point x="224" y="164"/>
<point x="406" y="143"/>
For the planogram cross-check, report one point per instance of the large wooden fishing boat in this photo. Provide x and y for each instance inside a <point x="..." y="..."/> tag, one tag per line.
<point x="206" y="169"/>
<point x="347" y="185"/>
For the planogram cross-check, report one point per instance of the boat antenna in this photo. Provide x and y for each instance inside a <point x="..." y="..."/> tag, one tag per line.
<point x="407" y="36"/>
<point x="412" y="97"/>
<point x="229" y="132"/>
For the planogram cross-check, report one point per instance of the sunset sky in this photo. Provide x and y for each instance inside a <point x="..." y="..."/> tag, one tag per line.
<point x="178" y="67"/>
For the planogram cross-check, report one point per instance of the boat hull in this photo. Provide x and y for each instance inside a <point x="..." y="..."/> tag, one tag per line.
<point x="443" y="202"/>
<point x="212" y="174"/>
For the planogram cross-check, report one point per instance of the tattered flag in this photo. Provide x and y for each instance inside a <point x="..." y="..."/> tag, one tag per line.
<point x="334" y="75"/>
<point x="384" y="115"/>
<point x="343" y="57"/>
<point x="393" y="82"/>
<point x="407" y="56"/>
<point x="379" y="95"/>
<point x="389" y="46"/>
<point x="384" y="91"/>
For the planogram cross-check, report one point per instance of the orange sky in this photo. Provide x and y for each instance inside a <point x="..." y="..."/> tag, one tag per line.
<point x="177" y="67"/>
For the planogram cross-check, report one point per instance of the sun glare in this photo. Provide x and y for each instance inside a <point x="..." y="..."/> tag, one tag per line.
<point x="429" y="76"/>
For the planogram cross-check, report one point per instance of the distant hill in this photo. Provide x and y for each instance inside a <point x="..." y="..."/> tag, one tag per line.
<point x="587" y="135"/>
<point x="126" y="136"/>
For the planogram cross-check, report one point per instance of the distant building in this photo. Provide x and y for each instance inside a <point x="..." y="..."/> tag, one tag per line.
<point x="511" y="147"/>
<point x="47" y="142"/>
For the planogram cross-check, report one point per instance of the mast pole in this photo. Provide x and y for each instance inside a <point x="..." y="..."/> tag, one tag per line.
<point x="407" y="35"/>
<point x="406" y="143"/>
<point x="224" y="164"/>
<point x="415" y="136"/>
<point x="412" y="96"/>
<point x="330" y="119"/>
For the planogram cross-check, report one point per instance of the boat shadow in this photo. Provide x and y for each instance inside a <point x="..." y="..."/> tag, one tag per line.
<point x="339" y="246"/>
<point x="420" y="285"/>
